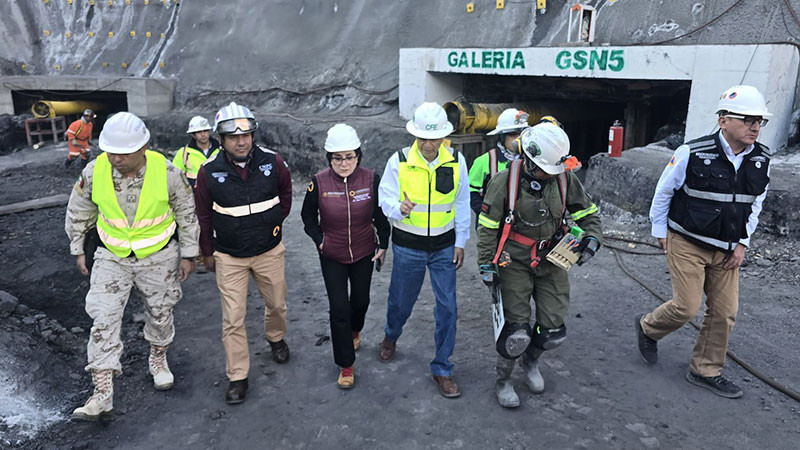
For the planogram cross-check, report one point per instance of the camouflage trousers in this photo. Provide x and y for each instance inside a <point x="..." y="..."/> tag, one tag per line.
<point x="156" y="279"/>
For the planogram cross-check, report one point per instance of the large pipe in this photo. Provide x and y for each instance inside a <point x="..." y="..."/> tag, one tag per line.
<point x="482" y="117"/>
<point x="44" y="109"/>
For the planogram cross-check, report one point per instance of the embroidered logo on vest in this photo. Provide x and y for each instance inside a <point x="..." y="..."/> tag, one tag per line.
<point x="266" y="168"/>
<point x="220" y="176"/>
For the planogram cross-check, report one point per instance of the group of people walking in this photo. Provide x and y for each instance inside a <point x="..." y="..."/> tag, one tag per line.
<point x="223" y="204"/>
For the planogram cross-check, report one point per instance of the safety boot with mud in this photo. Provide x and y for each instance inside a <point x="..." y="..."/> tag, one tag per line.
<point x="503" y="386"/>
<point x="533" y="378"/>
<point x="162" y="377"/>
<point x="101" y="403"/>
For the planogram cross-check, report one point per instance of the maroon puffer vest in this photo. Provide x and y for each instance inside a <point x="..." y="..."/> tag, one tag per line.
<point x="346" y="207"/>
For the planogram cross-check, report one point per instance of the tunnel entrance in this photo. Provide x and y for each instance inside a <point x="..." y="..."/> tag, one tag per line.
<point x="71" y="104"/>
<point x="650" y="110"/>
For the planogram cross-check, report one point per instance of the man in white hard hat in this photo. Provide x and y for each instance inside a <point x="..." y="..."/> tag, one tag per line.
<point x="79" y="136"/>
<point x="243" y="194"/>
<point x="202" y="146"/>
<point x="510" y="124"/>
<point x="424" y="192"/>
<point x="143" y="209"/>
<point x="523" y="216"/>
<point x="704" y="212"/>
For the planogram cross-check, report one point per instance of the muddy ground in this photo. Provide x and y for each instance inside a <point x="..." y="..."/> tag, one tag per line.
<point x="599" y="394"/>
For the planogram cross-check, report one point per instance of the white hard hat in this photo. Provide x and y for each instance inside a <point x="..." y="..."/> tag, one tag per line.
<point x="341" y="138"/>
<point x="745" y="100"/>
<point x="234" y="119"/>
<point x="198" y="123"/>
<point x="511" y="119"/>
<point x="430" y="122"/>
<point x="123" y="133"/>
<point x="546" y="145"/>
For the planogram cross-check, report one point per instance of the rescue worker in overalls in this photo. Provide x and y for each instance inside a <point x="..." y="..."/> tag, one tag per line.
<point x="522" y="217"/>
<point x="201" y="147"/>
<point x="510" y="124"/>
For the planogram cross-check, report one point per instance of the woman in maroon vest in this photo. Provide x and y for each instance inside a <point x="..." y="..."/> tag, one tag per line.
<point x="341" y="214"/>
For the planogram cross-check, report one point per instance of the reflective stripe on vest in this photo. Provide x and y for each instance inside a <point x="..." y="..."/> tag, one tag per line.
<point x="246" y="210"/>
<point x="719" y="197"/>
<point x="193" y="159"/>
<point x="715" y="242"/>
<point x="434" y="213"/>
<point x="154" y="223"/>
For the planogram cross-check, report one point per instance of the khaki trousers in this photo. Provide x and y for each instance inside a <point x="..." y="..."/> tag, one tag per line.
<point x="233" y="276"/>
<point x="155" y="277"/>
<point x="695" y="270"/>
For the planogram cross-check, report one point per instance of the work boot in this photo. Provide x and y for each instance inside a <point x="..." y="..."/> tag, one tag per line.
<point x="447" y="386"/>
<point x="503" y="387"/>
<point x="101" y="403"/>
<point x="162" y="377"/>
<point x="648" y="348"/>
<point x="533" y="378"/>
<point x="347" y="377"/>
<point x="718" y="385"/>
<point x="386" y="350"/>
<point x="280" y="351"/>
<point x="356" y="340"/>
<point x="237" y="391"/>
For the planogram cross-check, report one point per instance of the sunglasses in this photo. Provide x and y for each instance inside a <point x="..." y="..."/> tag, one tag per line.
<point x="749" y="120"/>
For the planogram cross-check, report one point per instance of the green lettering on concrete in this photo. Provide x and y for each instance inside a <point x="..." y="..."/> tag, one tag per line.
<point x="486" y="59"/>
<point x="601" y="59"/>
<point x="563" y="60"/>
<point x="462" y="61"/>
<point x="498" y="60"/>
<point x="519" y="61"/>
<point x="452" y="59"/>
<point x="580" y="60"/>
<point x="616" y="61"/>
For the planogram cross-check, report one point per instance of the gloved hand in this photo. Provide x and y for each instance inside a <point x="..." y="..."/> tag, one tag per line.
<point x="488" y="273"/>
<point x="587" y="248"/>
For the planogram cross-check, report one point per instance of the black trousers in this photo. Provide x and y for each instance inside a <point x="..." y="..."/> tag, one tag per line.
<point x="347" y="311"/>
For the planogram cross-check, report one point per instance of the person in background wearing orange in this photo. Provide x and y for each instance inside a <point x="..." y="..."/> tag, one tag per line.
<point x="79" y="134"/>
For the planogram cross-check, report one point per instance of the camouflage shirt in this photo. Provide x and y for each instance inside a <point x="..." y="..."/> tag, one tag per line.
<point x="82" y="212"/>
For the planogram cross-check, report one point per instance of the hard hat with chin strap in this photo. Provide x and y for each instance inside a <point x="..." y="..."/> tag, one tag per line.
<point x="198" y="123"/>
<point x="429" y="122"/>
<point x="123" y="133"/>
<point x="342" y="138"/>
<point x="744" y="100"/>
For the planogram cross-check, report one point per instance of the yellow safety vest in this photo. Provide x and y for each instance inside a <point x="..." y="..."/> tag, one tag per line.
<point x="189" y="160"/>
<point x="432" y="189"/>
<point x="154" y="223"/>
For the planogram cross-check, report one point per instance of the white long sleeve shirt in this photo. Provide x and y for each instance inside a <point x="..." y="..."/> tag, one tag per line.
<point x="674" y="176"/>
<point x="389" y="196"/>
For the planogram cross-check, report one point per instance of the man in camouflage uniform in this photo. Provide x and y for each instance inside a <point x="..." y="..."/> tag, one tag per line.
<point x="546" y="193"/>
<point x="142" y="206"/>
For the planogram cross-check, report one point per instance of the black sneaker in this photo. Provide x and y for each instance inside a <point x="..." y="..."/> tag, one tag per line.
<point x="718" y="385"/>
<point x="648" y="348"/>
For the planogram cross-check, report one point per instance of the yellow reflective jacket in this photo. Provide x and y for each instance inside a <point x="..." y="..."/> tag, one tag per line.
<point x="154" y="223"/>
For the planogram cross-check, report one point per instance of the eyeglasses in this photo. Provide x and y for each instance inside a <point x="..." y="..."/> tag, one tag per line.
<point x="749" y="120"/>
<point x="339" y="159"/>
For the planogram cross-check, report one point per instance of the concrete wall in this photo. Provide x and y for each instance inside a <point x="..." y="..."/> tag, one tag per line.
<point x="430" y="74"/>
<point x="145" y="96"/>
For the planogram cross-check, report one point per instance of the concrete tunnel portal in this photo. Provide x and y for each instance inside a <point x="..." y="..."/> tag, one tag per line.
<point x="656" y="92"/>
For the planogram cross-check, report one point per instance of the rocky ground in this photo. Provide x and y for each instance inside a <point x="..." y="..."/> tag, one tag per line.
<point x="599" y="394"/>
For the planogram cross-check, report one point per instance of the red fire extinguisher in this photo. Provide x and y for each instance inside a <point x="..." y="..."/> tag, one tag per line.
<point x="615" y="134"/>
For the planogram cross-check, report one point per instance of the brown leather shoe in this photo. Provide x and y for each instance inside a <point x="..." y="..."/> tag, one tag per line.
<point x="447" y="387"/>
<point x="387" y="349"/>
<point x="280" y="351"/>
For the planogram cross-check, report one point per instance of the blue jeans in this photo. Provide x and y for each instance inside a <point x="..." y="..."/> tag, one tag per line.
<point x="408" y="274"/>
